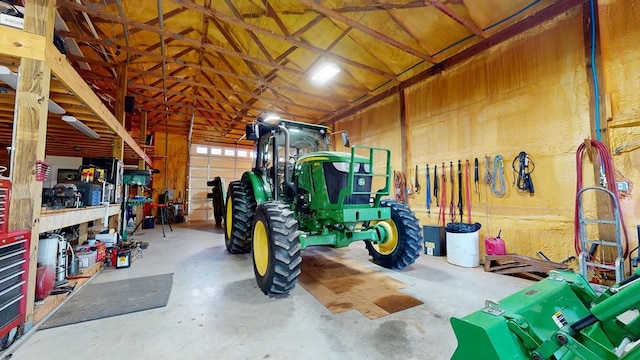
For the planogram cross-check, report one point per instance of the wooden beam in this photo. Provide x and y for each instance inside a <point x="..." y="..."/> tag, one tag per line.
<point x="143" y="136"/>
<point x="402" y="119"/>
<point x="457" y="18"/>
<point x="120" y="113"/>
<point x="358" y="26"/>
<point x="538" y="18"/>
<point x="68" y="76"/>
<point x="29" y="134"/>
<point x="301" y="44"/>
<point x="18" y="43"/>
<point x="102" y="13"/>
<point x="208" y="69"/>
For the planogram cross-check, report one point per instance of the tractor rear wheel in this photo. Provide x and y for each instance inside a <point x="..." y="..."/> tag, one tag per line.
<point x="218" y="200"/>
<point x="404" y="238"/>
<point x="240" y="207"/>
<point x="275" y="248"/>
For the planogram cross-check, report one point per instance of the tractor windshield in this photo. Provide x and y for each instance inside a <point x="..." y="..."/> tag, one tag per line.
<point x="303" y="139"/>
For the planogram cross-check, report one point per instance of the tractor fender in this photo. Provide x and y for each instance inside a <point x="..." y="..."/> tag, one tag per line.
<point x="261" y="189"/>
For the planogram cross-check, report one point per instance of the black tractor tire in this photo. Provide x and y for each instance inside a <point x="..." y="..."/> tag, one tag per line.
<point x="218" y="200"/>
<point x="240" y="207"/>
<point x="406" y="240"/>
<point x="276" y="248"/>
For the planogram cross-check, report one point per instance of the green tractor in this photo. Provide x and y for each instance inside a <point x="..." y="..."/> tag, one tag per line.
<point x="299" y="194"/>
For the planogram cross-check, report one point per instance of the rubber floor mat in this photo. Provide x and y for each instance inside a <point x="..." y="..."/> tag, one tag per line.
<point x="102" y="300"/>
<point x="342" y="285"/>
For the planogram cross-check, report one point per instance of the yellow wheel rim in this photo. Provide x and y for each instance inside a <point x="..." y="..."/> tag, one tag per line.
<point x="391" y="242"/>
<point x="260" y="248"/>
<point x="228" y="219"/>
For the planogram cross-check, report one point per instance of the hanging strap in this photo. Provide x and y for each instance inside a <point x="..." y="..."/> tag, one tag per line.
<point x="452" y="207"/>
<point x="417" y="183"/>
<point x="436" y="186"/>
<point x="467" y="185"/>
<point x="476" y="177"/>
<point x="460" y="190"/>
<point x="427" y="190"/>
<point x="488" y="176"/>
<point x="443" y="197"/>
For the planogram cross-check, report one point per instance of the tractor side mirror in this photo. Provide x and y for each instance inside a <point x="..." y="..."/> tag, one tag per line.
<point x="252" y="132"/>
<point x="345" y="139"/>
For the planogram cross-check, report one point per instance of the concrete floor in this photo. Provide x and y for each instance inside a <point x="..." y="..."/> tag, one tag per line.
<point x="216" y="311"/>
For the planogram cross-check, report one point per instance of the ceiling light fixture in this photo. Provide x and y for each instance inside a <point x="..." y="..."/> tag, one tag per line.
<point x="80" y="126"/>
<point x="326" y="72"/>
<point x="10" y="78"/>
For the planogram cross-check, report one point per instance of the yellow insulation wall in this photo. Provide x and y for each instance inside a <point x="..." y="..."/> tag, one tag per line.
<point x="175" y="172"/>
<point x="620" y="47"/>
<point x="527" y="94"/>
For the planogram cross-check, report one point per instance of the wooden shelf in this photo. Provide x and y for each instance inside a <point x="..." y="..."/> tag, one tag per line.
<point x="56" y="219"/>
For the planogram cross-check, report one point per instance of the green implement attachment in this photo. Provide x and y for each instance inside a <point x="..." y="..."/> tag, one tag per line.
<point x="560" y="317"/>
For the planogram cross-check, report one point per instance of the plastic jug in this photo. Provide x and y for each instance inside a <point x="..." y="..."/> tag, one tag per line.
<point x="495" y="245"/>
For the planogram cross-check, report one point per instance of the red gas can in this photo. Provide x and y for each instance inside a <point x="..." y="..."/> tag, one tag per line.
<point x="495" y="245"/>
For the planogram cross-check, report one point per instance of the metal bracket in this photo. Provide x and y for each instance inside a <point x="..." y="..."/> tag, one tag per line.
<point x="492" y="307"/>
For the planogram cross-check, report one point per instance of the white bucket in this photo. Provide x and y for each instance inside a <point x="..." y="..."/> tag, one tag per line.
<point x="463" y="249"/>
<point x="48" y="252"/>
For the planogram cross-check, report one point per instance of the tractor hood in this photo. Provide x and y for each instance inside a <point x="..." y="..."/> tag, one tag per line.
<point x="332" y="156"/>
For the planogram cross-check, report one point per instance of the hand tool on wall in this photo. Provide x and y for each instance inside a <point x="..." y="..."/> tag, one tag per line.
<point x="417" y="183"/>
<point x="452" y="208"/>
<point x="476" y="177"/>
<point x="427" y="190"/>
<point x="460" y="189"/>
<point x="523" y="166"/>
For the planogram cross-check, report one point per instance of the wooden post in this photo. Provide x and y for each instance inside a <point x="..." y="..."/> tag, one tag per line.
<point x="143" y="136"/>
<point x="403" y="142"/>
<point x="29" y="139"/>
<point x="141" y="163"/>
<point x="118" y="143"/>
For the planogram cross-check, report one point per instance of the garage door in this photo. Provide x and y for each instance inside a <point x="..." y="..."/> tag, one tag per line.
<point x="206" y="163"/>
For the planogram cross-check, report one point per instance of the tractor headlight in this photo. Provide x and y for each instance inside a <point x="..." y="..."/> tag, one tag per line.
<point x="341" y="166"/>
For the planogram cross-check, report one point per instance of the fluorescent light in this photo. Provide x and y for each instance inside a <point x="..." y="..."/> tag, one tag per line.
<point x="323" y="74"/>
<point x="10" y="78"/>
<point x="80" y="126"/>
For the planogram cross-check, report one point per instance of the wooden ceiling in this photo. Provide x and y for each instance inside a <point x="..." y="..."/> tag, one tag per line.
<point x="203" y="69"/>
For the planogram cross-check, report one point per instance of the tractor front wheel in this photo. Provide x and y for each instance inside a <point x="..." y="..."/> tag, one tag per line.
<point x="275" y="248"/>
<point x="240" y="207"/>
<point x="403" y="238"/>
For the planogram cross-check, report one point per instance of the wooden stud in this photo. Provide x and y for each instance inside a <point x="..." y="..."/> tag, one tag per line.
<point x="29" y="133"/>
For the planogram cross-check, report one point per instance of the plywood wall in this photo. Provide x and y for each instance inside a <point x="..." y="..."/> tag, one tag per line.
<point x="176" y="156"/>
<point x="528" y="94"/>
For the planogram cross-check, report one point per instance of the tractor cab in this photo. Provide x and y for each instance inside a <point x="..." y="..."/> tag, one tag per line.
<point x="279" y="145"/>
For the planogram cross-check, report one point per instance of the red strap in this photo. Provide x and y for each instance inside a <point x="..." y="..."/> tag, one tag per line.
<point x="443" y="199"/>
<point x="467" y="193"/>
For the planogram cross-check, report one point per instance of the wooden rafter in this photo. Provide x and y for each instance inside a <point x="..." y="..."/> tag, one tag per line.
<point x="373" y="33"/>
<point x="301" y="44"/>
